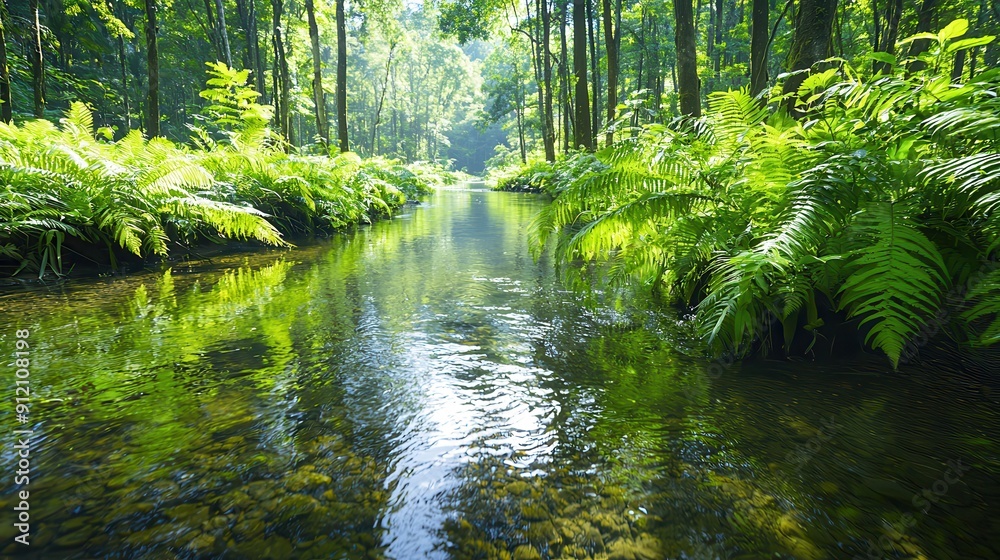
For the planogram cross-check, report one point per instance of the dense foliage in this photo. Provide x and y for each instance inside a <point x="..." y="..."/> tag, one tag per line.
<point x="66" y="193"/>
<point x="875" y="210"/>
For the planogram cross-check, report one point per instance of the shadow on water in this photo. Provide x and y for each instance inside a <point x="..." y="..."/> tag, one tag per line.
<point x="424" y="389"/>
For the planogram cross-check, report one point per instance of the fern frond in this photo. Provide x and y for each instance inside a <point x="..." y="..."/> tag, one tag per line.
<point x="896" y="281"/>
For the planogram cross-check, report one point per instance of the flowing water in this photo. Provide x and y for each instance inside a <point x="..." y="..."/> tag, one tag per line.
<point x="423" y="388"/>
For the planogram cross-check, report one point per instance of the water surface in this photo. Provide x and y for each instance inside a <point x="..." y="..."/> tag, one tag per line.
<point x="423" y="388"/>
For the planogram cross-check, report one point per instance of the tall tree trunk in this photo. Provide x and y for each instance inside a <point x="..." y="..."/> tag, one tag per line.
<point x="642" y="58"/>
<point x="595" y="114"/>
<point x="810" y="43"/>
<point x="584" y="136"/>
<point x="549" y="127"/>
<point x="153" y="71"/>
<point x="6" y="103"/>
<point x="248" y="18"/>
<point x="381" y="99"/>
<point x="342" y="78"/>
<point x="758" y="47"/>
<point x="980" y="22"/>
<point x="654" y="80"/>
<point x="282" y="80"/>
<point x="254" y="42"/>
<point x="959" y="66"/>
<point x="924" y="19"/>
<point x="719" y="25"/>
<point x="319" y="96"/>
<point x="876" y="26"/>
<point x="564" y="96"/>
<point x="519" y="113"/>
<point x="35" y="54"/>
<point x="894" y="11"/>
<point x="710" y="40"/>
<point x="687" y="59"/>
<point x="125" y="96"/>
<point x="213" y="29"/>
<point x="223" y="33"/>
<point x="611" y="46"/>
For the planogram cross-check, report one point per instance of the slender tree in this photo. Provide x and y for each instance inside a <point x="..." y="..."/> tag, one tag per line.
<point x="153" y="72"/>
<point x="548" y="131"/>
<point x="220" y="11"/>
<point x="810" y="43"/>
<point x="758" y="46"/>
<point x="595" y="115"/>
<point x="6" y="103"/>
<point x="564" y="76"/>
<point x="583" y="135"/>
<point x="282" y="79"/>
<point x="35" y="54"/>
<point x="894" y="10"/>
<point x="687" y="58"/>
<point x="612" y="36"/>
<point x="342" y="78"/>
<point x="319" y="96"/>
<point x="924" y="19"/>
<point x="247" y="10"/>
<point x="381" y="99"/>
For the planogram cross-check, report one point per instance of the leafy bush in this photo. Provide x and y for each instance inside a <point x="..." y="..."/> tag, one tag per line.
<point x="876" y="211"/>
<point x="532" y="178"/>
<point x="64" y="190"/>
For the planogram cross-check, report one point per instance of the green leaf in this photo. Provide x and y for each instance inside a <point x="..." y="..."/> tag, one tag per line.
<point x="953" y="30"/>
<point x="883" y="57"/>
<point x="972" y="42"/>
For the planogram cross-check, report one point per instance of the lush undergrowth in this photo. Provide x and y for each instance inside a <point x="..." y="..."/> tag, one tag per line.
<point x="67" y="195"/>
<point x="874" y="213"/>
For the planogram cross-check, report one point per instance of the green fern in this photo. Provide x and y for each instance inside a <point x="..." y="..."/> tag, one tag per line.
<point x="896" y="281"/>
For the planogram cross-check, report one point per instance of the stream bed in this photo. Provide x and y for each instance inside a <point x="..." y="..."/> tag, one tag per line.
<point x="424" y="388"/>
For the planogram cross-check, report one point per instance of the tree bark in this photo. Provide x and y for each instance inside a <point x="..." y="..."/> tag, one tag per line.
<point x="595" y="114"/>
<point x="894" y="11"/>
<point x="810" y="43"/>
<point x="687" y="59"/>
<point x="564" y="97"/>
<point x="583" y="137"/>
<point x="35" y="54"/>
<point x="254" y="43"/>
<point x="248" y="17"/>
<point x="342" y="78"/>
<point x="6" y="103"/>
<point x="212" y="30"/>
<point x="124" y="68"/>
<point x="223" y="33"/>
<point x="611" y="46"/>
<point x="758" y="47"/>
<point x="924" y="19"/>
<point x="719" y="25"/>
<point x="385" y="87"/>
<point x="153" y="71"/>
<point x="282" y="81"/>
<point x="319" y="96"/>
<point x="549" y="125"/>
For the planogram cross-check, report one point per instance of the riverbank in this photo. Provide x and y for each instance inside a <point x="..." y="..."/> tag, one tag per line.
<point x="74" y="198"/>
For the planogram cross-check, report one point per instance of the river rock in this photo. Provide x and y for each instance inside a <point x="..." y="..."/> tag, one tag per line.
<point x="74" y="539"/>
<point x="525" y="552"/>
<point x="306" y="479"/>
<point x="544" y="532"/>
<point x="201" y="543"/>
<point x="534" y="512"/>
<point x="191" y="514"/>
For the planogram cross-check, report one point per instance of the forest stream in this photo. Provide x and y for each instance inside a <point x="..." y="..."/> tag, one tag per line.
<point x="424" y="388"/>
